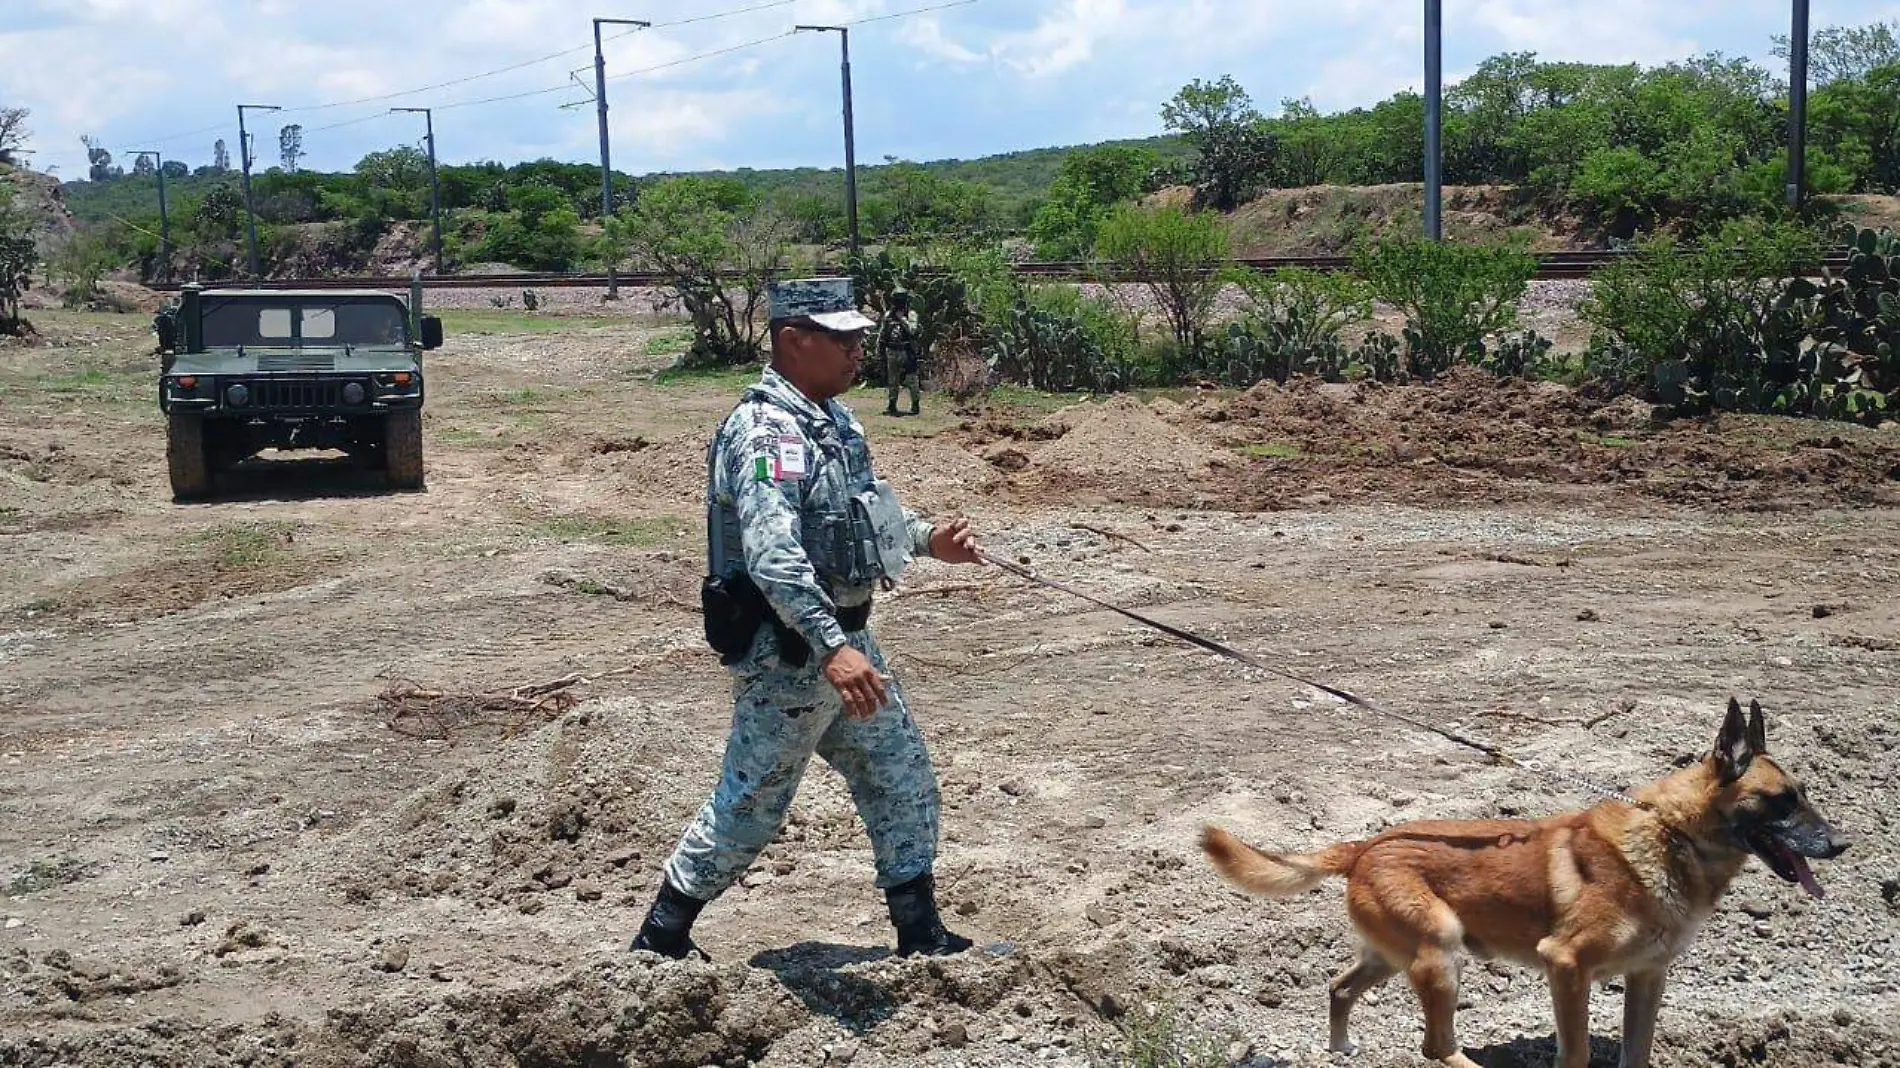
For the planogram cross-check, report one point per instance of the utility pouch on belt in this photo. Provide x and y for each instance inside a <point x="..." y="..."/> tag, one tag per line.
<point x="733" y="608"/>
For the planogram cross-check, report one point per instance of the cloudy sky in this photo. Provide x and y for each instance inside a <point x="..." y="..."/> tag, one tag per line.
<point x="967" y="80"/>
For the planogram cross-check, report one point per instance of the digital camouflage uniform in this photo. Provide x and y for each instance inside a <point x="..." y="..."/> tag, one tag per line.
<point x="900" y="342"/>
<point x="784" y="714"/>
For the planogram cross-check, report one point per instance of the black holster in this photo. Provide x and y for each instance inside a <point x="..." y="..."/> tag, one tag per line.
<point x="734" y="610"/>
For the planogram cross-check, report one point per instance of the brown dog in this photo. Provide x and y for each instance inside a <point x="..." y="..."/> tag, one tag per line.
<point x="1617" y="889"/>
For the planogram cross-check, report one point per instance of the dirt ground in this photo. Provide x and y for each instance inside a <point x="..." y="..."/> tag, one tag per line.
<point x="322" y="775"/>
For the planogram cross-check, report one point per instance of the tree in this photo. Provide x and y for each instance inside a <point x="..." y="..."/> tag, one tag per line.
<point x="216" y="216"/>
<point x="79" y="264"/>
<point x="1089" y="184"/>
<point x="1236" y="150"/>
<point x="174" y="169"/>
<point x="716" y="246"/>
<point x="1179" y="254"/>
<point x="1452" y="295"/>
<point x="18" y="257"/>
<point x="98" y="160"/>
<point x="13" y="134"/>
<point x="290" y="146"/>
<point x="142" y="165"/>
<point x="220" y="157"/>
<point x="1841" y="52"/>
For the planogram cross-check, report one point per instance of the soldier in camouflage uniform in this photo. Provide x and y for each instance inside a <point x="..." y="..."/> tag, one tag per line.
<point x="795" y="512"/>
<point x="900" y="341"/>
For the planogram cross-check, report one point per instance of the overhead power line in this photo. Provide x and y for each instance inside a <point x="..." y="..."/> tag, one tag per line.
<point x="564" y="86"/>
<point x="378" y="98"/>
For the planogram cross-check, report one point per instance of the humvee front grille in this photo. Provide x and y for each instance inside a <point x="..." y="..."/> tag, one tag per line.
<point x="281" y="394"/>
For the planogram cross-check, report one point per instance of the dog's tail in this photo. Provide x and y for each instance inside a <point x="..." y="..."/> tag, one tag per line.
<point x="1271" y="874"/>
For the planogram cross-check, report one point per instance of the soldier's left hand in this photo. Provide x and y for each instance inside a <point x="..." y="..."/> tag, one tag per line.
<point x="955" y="543"/>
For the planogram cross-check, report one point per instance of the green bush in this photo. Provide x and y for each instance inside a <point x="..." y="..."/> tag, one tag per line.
<point x="1181" y="257"/>
<point x="1699" y="327"/>
<point x="1452" y="295"/>
<point x="716" y="246"/>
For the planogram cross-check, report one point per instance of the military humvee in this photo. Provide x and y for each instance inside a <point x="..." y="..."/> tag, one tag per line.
<point x="251" y="369"/>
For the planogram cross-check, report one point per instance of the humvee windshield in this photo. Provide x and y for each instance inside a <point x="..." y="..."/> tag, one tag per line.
<point x="264" y="322"/>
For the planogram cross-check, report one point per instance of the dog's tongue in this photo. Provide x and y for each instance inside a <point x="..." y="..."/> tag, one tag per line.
<point x="1806" y="875"/>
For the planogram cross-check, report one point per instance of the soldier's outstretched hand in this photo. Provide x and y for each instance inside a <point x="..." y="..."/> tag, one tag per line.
<point x="955" y="543"/>
<point x="856" y="679"/>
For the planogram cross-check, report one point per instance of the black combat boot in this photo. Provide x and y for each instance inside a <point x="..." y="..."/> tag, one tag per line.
<point x="913" y="405"/>
<point x="914" y="913"/>
<point x="668" y="922"/>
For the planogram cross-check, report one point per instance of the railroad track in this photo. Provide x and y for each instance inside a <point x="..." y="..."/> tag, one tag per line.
<point x="1550" y="265"/>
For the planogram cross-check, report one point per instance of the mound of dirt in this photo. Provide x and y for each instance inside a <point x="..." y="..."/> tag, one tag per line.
<point x="672" y="469"/>
<point x="1470" y="436"/>
<point x="935" y="477"/>
<point x="1331" y="219"/>
<point x="574" y="809"/>
<point x="1119" y="449"/>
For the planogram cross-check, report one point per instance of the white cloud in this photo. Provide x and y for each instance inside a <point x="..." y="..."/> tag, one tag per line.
<point x="672" y="123"/>
<point x="1063" y="39"/>
<point x="992" y="76"/>
<point x="926" y="35"/>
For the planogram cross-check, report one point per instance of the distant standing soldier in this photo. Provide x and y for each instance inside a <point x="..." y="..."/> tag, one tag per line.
<point x="800" y="533"/>
<point x="901" y="341"/>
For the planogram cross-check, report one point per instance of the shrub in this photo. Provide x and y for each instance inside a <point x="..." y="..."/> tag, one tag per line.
<point x="1452" y="295"/>
<point x="1178" y="254"/>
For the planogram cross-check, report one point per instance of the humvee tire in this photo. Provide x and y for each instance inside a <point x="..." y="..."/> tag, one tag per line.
<point x="402" y="449"/>
<point x="186" y="457"/>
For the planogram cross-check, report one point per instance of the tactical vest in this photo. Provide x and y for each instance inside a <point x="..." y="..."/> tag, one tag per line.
<point x="850" y="525"/>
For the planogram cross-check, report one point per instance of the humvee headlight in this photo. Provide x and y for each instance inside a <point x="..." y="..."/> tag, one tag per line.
<point x="353" y="393"/>
<point x="186" y="383"/>
<point x="238" y="395"/>
<point x="401" y="378"/>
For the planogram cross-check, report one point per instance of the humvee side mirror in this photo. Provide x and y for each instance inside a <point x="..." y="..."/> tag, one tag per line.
<point x="431" y="332"/>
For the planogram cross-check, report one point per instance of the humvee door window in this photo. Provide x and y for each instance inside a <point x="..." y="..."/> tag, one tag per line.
<point x="366" y="323"/>
<point x="273" y="324"/>
<point x="319" y="324"/>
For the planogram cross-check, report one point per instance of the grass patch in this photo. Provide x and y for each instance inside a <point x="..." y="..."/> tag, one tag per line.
<point x="1160" y="1038"/>
<point x="1615" y="442"/>
<point x="467" y="438"/>
<point x="49" y="873"/>
<point x="650" y="532"/>
<point x="1272" y="450"/>
<point x="1009" y="396"/>
<point x="243" y="546"/>
<point x="86" y="385"/>
<point x="725" y="378"/>
<point x="42" y="604"/>
<point x="480" y="321"/>
<point x="670" y="342"/>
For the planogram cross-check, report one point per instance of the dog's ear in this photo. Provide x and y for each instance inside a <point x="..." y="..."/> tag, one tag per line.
<point x="1732" y="750"/>
<point x="1757" y="730"/>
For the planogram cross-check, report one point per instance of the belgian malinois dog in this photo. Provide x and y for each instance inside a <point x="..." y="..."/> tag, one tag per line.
<point x="1617" y="889"/>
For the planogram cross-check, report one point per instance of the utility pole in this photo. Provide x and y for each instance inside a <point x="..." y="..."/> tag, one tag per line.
<point x="606" y="168"/>
<point x="244" y="157"/>
<point x="435" y="190"/>
<point x="850" y="142"/>
<point x="1798" y="105"/>
<point x="164" y="217"/>
<point x="1434" y="119"/>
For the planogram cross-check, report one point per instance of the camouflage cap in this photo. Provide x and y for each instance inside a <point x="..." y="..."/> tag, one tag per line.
<point x="825" y="301"/>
